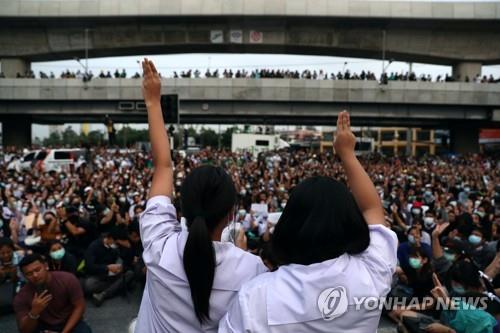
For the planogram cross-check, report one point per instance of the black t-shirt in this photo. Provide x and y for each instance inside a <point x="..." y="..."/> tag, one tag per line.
<point x="77" y="244"/>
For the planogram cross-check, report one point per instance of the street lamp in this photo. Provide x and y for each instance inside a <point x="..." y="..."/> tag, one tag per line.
<point x="86" y="66"/>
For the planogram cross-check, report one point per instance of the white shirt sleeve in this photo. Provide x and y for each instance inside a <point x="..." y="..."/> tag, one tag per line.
<point x="381" y="256"/>
<point x="157" y="223"/>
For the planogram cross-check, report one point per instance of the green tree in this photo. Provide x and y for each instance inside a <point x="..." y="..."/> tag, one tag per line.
<point x="208" y="137"/>
<point x="95" y="138"/>
<point x="127" y="136"/>
<point x="70" y="137"/>
<point x="228" y="135"/>
<point x="54" y="139"/>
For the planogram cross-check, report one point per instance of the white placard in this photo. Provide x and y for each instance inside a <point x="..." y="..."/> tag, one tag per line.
<point x="273" y="217"/>
<point x="216" y="36"/>
<point x="236" y="36"/>
<point x="256" y="37"/>
<point x="259" y="208"/>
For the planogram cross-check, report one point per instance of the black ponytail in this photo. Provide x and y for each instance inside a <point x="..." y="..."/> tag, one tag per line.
<point x="199" y="264"/>
<point x="207" y="196"/>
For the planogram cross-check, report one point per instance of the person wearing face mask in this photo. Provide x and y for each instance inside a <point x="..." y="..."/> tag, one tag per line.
<point x="444" y="256"/>
<point x="425" y="237"/>
<point x="137" y="201"/>
<point x="106" y="274"/>
<point x="414" y="241"/>
<point x="429" y="221"/>
<point x="481" y="253"/>
<point x="419" y="273"/>
<point x="200" y="274"/>
<point x="59" y="259"/>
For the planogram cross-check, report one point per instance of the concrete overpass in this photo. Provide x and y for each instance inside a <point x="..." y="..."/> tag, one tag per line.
<point x="464" y="35"/>
<point x="462" y="107"/>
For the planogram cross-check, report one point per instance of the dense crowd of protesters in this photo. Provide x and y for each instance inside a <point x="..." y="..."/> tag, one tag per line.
<point x="268" y="73"/>
<point x="84" y="220"/>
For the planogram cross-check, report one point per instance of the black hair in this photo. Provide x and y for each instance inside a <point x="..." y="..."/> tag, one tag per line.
<point x="133" y="227"/>
<point x="413" y="227"/>
<point x="466" y="273"/>
<point x="481" y="230"/>
<point x="31" y="258"/>
<point x="5" y="241"/>
<point x="321" y="221"/>
<point x="54" y="241"/>
<point x="118" y="233"/>
<point x="207" y="196"/>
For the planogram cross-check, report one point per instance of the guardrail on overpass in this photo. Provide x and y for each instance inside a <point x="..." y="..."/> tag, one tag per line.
<point x="333" y="8"/>
<point x="269" y="90"/>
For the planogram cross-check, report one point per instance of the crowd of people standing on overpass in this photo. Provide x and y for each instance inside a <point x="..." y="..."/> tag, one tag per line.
<point x="266" y="73"/>
<point x="84" y="220"/>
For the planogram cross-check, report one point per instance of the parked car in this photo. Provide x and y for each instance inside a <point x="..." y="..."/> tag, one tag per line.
<point x="51" y="159"/>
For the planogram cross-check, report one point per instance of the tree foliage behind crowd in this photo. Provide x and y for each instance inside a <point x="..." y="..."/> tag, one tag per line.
<point x="127" y="136"/>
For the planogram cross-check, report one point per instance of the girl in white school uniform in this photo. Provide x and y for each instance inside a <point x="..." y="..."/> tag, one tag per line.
<point x="191" y="275"/>
<point x="336" y="259"/>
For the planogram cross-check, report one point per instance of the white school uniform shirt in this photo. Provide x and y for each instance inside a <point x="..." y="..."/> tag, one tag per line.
<point x="287" y="300"/>
<point x="166" y="303"/>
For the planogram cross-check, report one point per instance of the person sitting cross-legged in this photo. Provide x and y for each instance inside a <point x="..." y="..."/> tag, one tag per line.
<point x="106" y="269"/>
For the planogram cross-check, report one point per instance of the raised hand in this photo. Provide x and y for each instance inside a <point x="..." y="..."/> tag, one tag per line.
<point x="345" y="141"/>
<point x="439" y="292"/>
<point x="241" y="240"/>
<point x="439" y="229"/>
<point x="151" y="84"/>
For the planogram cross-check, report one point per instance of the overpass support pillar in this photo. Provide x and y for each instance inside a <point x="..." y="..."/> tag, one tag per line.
<point x="16" y="131"/>
<point x="464" y="139"/>
<point x="12" y="66"/>
<point x="463" y="70"/>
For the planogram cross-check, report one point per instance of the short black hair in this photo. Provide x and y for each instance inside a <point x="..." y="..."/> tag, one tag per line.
<point x="6" y="241"/>
<point x="412" y="228"/>
<point x="31" y="258"/>
<point x="321" y="221"/>
<point x="466" y="273"/>
<point x="118" y="233"/>
<point x="133" y="227"/>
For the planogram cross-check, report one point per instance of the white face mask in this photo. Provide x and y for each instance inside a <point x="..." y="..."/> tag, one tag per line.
<point x="429" y="222"/>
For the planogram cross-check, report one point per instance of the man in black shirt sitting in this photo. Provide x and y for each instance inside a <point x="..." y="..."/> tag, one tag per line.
<point x="106" y="269"/>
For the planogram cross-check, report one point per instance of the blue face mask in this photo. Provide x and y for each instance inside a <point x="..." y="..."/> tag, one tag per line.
<point x="58" y="254"/>
<point x="474" y="239"/>
<point x="458" y="289"/>
<point x="415" y="263"/>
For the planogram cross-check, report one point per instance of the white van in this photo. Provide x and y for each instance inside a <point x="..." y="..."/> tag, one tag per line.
<point x="28" y="160"/>
<point x="53" y="159"/>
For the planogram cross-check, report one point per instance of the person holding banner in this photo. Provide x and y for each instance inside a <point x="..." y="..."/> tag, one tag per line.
<point x="332" y="250"/>
<point x="191" y="275"/>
